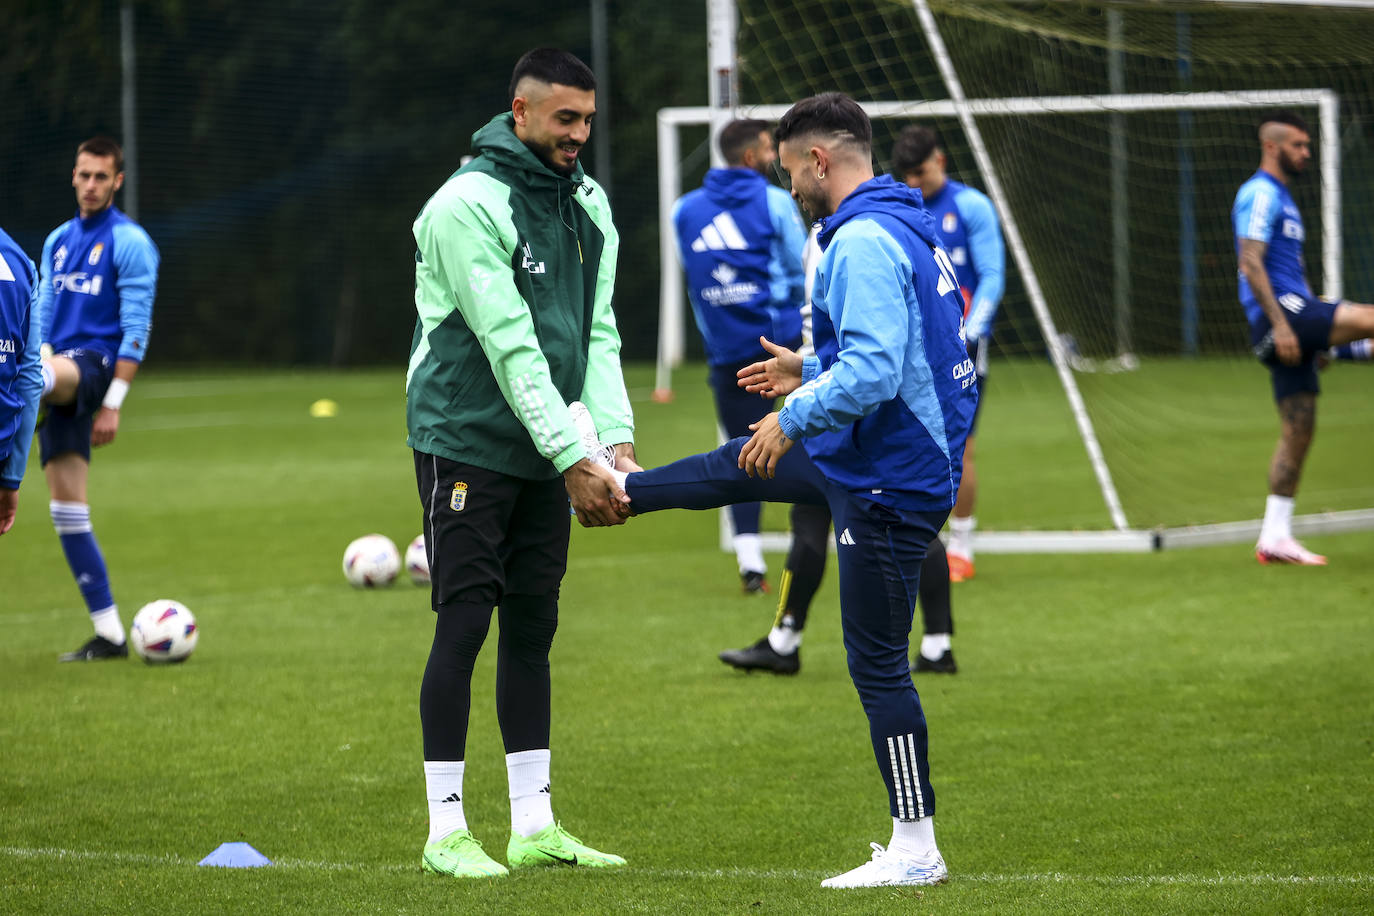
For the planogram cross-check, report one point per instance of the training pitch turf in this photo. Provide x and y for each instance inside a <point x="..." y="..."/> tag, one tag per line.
<point x="1177" y="732"/>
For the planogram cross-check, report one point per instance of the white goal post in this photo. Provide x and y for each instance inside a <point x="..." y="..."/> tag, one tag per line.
<point x="672" y="311"/>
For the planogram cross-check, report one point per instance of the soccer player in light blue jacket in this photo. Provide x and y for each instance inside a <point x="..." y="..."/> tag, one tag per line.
<point x="95" y="306"/>
<point x="968" y="227"/>
<point x="882" y="411"/>
<point x="20" y="378"/>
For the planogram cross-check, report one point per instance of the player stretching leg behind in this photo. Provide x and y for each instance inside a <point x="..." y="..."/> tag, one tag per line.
<point x="1289" y="326"/>
<point x="95" y="307"/>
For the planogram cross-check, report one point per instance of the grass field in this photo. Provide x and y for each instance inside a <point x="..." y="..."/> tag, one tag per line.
<point x="1183" y="732"/>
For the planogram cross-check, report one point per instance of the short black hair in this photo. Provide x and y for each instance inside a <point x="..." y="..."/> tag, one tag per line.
<point x="103" y="146"/>
<point x="831" y="113"/>
<point x="1282" y="116"/>
<point x="738" y="136"/>
<point x="914" y="146"/>
<point x="552" y="65"/>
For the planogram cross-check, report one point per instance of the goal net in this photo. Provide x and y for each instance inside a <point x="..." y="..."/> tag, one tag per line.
<point x="1113" y="138"/>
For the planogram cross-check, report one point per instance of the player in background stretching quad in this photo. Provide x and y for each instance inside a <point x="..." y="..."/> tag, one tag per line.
<point x="779" y="650"/>
<point x="95" y="308"/>
<point x="740" y="239"/>
<point x="1290" y="328"/>
<point x="972" y="235"/>
<point x="21" y="380"/>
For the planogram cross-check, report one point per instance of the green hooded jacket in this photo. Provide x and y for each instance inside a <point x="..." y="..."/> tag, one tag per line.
<point x="514" y="269"/>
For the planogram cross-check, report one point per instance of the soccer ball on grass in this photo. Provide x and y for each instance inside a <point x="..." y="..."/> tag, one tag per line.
<point x="371" y="562"/>
<point x="164" y="631"/>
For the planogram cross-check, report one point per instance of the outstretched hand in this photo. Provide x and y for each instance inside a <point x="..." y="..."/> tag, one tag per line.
<point x="775" y="377"/>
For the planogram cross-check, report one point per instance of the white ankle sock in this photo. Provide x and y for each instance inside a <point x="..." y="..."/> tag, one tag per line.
<point x="934" y="645"/>
<point x="531" y="804"/>
<point x="913" y="839"/>
<point x="1278" y="519"/>
<point x="784" y="640"/>
<point x="444" y="791"/>
<point x="749" y="553"/>
<point x="961" y="536"/>
<point x="108" y="624"/>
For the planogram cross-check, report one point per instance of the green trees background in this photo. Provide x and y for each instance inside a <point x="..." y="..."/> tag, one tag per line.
<point x="285" y="147"/>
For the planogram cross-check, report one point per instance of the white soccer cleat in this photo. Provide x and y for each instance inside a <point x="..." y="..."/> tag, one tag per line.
<point x="1287" y="550"/>
<point x="887" y="868"/>
<point x="597" y="453"/>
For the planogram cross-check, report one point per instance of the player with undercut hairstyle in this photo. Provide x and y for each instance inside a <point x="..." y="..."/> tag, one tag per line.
<point x="95" y="307"/>
<point x="1290" y="327"/>
<point x="514" y="270"/>
<point x="881" y="410"/>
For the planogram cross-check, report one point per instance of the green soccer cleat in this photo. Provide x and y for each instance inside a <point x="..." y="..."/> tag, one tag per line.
<point x="555" y="846"/>
<point x="459" y="855"/>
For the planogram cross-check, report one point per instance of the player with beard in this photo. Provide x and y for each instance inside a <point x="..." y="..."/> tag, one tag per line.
<point x="1289" y="326"/>
<point x="514" y="269"/>
<point x="881" y="410"/>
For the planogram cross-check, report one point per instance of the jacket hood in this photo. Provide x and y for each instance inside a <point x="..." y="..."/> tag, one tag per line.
<point x="733" y="187"/>
<point x="884" y="194"/>
<point x="497" y="140"/>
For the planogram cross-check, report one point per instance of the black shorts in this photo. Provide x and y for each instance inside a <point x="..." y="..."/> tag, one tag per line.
<point x="68" y="426"/>
<point x="1311" y="319"/>
<point x="488" y="534"/>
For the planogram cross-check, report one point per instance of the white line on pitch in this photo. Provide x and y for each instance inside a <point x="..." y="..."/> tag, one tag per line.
<point x="753" y="874"/>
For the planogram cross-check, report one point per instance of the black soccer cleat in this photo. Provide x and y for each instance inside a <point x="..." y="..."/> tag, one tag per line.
<point x="761" y="657"/>
<point x="98" y="648"/>
<point x="753" y="583"/>
<point x="942" y="665"/>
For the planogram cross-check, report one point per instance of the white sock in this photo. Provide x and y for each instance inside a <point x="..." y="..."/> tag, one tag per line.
<point x="1278" y="519"/>
<point x="531" y="805"/>
<point x="107" y="624"/>
<point x="913" y="839"/>
<point x="48" y="378"/>
<point x="444" y="791"/>
<point x="961" y="536"/>
<point x="934" y="645"/>
<point x="784" y="640"/>
<point x="749" y="553"/>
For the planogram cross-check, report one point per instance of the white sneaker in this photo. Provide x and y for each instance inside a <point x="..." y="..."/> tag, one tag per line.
<point x="1287" y="550"/>
<point x="887" y="868"/>
<point x="597" y="453"/>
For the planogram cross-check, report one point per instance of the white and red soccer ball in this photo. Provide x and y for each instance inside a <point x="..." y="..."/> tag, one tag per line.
<point x="371" y="561"/>
<point x="164" y="631"/>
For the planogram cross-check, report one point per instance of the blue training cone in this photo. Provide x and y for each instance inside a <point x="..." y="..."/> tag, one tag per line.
<point x="236" y="855"/>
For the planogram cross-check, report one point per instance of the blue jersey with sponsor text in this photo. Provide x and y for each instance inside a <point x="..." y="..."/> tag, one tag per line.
<point x="889" y="397"/>
<point x="968" y="227"/>
<point x="1264" y="211"/>
<point x="20" y="378"/>
<point x="99" y="280"/>
<point x="740" y="240"/>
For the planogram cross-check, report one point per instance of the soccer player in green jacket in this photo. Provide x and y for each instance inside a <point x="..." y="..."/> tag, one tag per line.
<point x="514" y="268"/>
